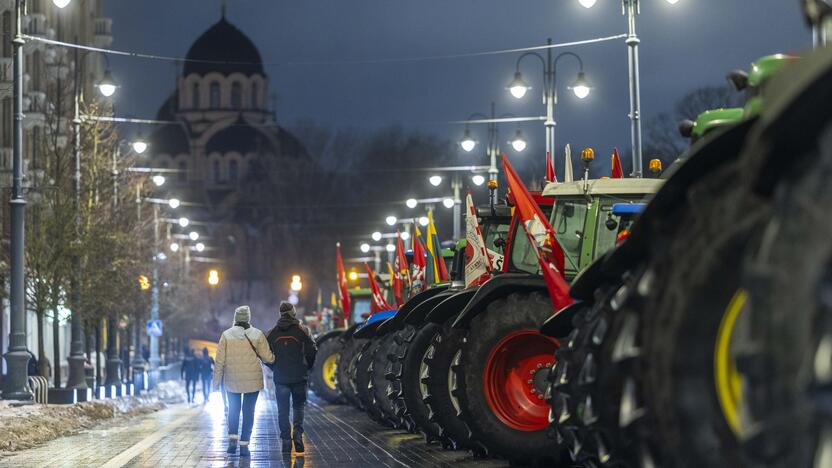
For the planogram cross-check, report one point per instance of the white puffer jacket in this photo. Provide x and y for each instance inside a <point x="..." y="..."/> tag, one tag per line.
<point x="237" y="366"/>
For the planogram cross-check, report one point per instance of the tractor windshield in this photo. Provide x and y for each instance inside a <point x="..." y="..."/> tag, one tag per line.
<point x="568" y="223"/>
<point x="523" y="256"/>
<point x="360" y="308"/>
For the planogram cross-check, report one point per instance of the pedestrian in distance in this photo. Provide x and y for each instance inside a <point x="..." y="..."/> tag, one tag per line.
<point x="190" y="373"/>
<point x="294" y="352"/>
<point x="206" y="373"/>
<point x="240" y="351"/>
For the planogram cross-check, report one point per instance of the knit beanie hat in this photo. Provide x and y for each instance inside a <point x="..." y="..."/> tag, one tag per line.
<point x="286" y="308"/>
<point x="242" y="314"/>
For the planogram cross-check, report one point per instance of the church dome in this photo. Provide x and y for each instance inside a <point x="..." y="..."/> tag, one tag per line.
<point x="223" y="42"/>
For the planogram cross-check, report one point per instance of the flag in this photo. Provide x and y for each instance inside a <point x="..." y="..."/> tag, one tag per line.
<point x="378" y="303"/>
<point x="440" y="271"/>
<point x="400" y="264"/>
<point x="550" y="169"/>
<point x="319" y="305"/>
<point x="395" y="285"/>
<point x="333" y="301"/>
<point x="477" y="263"/>
<point x="430" y="266"/>
<point x="419" y="263"/>
<point x="542" y="238"/>
<point x="342" y="284"/>
<point x="617" y="170"/>
<point x="568" y="176"/>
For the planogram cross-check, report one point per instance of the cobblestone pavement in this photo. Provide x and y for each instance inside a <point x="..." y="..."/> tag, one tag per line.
<point x="336" y="436"/>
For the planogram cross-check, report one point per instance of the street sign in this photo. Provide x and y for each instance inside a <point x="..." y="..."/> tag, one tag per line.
<point x="154" y="328"/>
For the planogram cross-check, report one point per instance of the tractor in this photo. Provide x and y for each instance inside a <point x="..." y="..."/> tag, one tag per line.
<point x="654" y="347"/>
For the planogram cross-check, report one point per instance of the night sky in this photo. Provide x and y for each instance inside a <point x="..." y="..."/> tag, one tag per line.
<point x="690" y="44"/>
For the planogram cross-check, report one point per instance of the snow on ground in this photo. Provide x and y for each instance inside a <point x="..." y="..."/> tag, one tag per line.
<point x="23" y="427"/>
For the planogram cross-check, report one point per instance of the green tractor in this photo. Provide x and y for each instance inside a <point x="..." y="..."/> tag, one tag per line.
<point x="650" y="373"/>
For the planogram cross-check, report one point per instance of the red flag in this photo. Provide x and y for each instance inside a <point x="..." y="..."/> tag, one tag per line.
<point x="401" y="269"/>
<point x="542" y="238"/>
<point x="342" y="284"/>
<point x="550" y="169"/>
<point x="419" y="263"/>
<point x="617" y="170"/>
<point x="378" y="303"/>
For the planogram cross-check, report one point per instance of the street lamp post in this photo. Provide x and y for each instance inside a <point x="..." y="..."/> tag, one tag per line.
<point x="633" y="8"/>
<point x="456" y="185"/>
<point x="580" y="88"/>
<point x="17" y="357"/>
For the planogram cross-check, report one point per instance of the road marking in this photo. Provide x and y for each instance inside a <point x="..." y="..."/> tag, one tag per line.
<point x="124" y="457"/>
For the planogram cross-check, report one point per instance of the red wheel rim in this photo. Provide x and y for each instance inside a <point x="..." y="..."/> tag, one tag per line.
<point x="511" y="373"/>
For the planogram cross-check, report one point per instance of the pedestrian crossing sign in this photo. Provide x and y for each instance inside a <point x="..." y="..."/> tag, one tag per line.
<point x="154" y="328"/>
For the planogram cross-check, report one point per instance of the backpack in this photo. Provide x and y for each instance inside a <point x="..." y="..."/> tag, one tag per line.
<point x="290" y="361"/>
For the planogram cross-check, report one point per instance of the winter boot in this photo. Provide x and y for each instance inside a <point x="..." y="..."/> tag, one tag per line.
<point x="298" y="440"/>
<point x="244" y="449"/>
<point x="232" y="445"/>
<point x="286" y="445"/>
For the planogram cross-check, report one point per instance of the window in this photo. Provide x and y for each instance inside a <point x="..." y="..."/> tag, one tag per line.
<point x="236" y="96"/>
<point x="214" y="98"/>
<point x="183" y="171"/>
<point x="254" y="93"/>
<point x="195" y="96"/>
<point x="216" y="172"/>
<point x="568" y="224"/>
<point x="523" y="255"/>
<point x="233" y="169"/>
<point x="37" y="77"/>
<point x="7" y="35"/>
<point x="7" y="122"/>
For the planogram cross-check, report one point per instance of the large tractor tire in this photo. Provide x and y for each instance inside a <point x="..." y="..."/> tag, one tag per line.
<point x="649" y="375"/>
<point x="439" y="382"/>
<point x="406" y="371"/>
<point x="379" y="386"/>
<point x="322" y="378"/>
<point x="346" y="367"/>
<point x="502" y="379"/>
<point x="360" y="378"/>
<point x="789" y="284"/>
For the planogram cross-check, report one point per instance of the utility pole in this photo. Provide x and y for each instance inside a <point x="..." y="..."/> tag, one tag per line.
<point x="15" y="387"/>
<point x="631" y="8"/>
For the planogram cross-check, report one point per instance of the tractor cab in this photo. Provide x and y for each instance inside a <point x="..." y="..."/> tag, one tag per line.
<point x="588" y="216"/>
<point x="360" y="299"/>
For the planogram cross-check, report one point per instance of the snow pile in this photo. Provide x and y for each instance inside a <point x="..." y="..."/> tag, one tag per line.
<point x="23" y="427"/>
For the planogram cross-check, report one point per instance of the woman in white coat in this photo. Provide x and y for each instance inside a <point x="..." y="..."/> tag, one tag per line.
<point x="237" y="369"/>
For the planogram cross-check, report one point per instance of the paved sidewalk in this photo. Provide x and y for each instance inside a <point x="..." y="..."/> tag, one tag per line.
<point x="336" y="436"/>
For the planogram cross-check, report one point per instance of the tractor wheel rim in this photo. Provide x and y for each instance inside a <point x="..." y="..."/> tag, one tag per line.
<point x="728" y="380"/>
<point x="329" y="367"/>
<point x="513" y="380"/>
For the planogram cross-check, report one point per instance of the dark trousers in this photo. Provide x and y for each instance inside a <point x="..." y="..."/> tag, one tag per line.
<point x="297" y="392"/>
<point x="249" y="400"/>
<point x="190" y="389"/>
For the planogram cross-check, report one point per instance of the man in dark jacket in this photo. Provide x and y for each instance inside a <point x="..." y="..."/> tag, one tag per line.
<point x="294" y="353"/>
<point x="190" y="372"/>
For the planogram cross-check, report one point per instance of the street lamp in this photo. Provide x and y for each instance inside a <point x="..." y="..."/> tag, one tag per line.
<point x="174" y="203"/>
<point x="174" y="247"/>
<point x="435" y="180"/>
<point x="448" y="203"/>
<point x="376" y="236"/>
<point x="518" y="88"/>
<point x="199" y="246"/>
<point x="390" y="247"/>
<point x="411" y="203"/>
<point x="296" y="285"/>
<point x="139" y="145"/>
<point x="518" y="142"/>
<point x="184" y="222"/>
<point x="587" y="3"/>
<point x="477" y="179"/>
<point x="405" y="235"/>
<point x="213" y="277"/>
<point x="107" y="86"/>
<point x="352" y="275"/>
<point x="423" y="221"/>
<point x="365" y="247"/>
<point x="61" y="3"/>
<point x="158" y="180"/>
<point x="391" y="220"/>
<point x="193" y="235"/>
<point x="467" y="143"/>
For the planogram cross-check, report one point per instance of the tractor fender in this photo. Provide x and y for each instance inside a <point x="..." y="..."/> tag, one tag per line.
<point x="418" y="314"/>
<point x="560" y="324"/>
<point x="398" y="320"/>
<point x="496" y="288"/>
<point x="796" y="111"/>
<point x="451" y="306"/>
<point x="348" y="333"/>
<point x="369" y="328"/>
<point x="332" y="334"/>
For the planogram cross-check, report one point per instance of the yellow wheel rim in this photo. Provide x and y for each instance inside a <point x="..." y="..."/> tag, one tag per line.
<point x="329" y="368"/>
<point x="727" y="379"/>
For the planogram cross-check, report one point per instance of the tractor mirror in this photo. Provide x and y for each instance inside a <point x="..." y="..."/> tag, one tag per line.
<point x="568" y="211"/>
<point x="686" y="128"/>
<point x="611" y="223"/>
<point x="500" y="243"/>
<point x="738" y="79"/>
